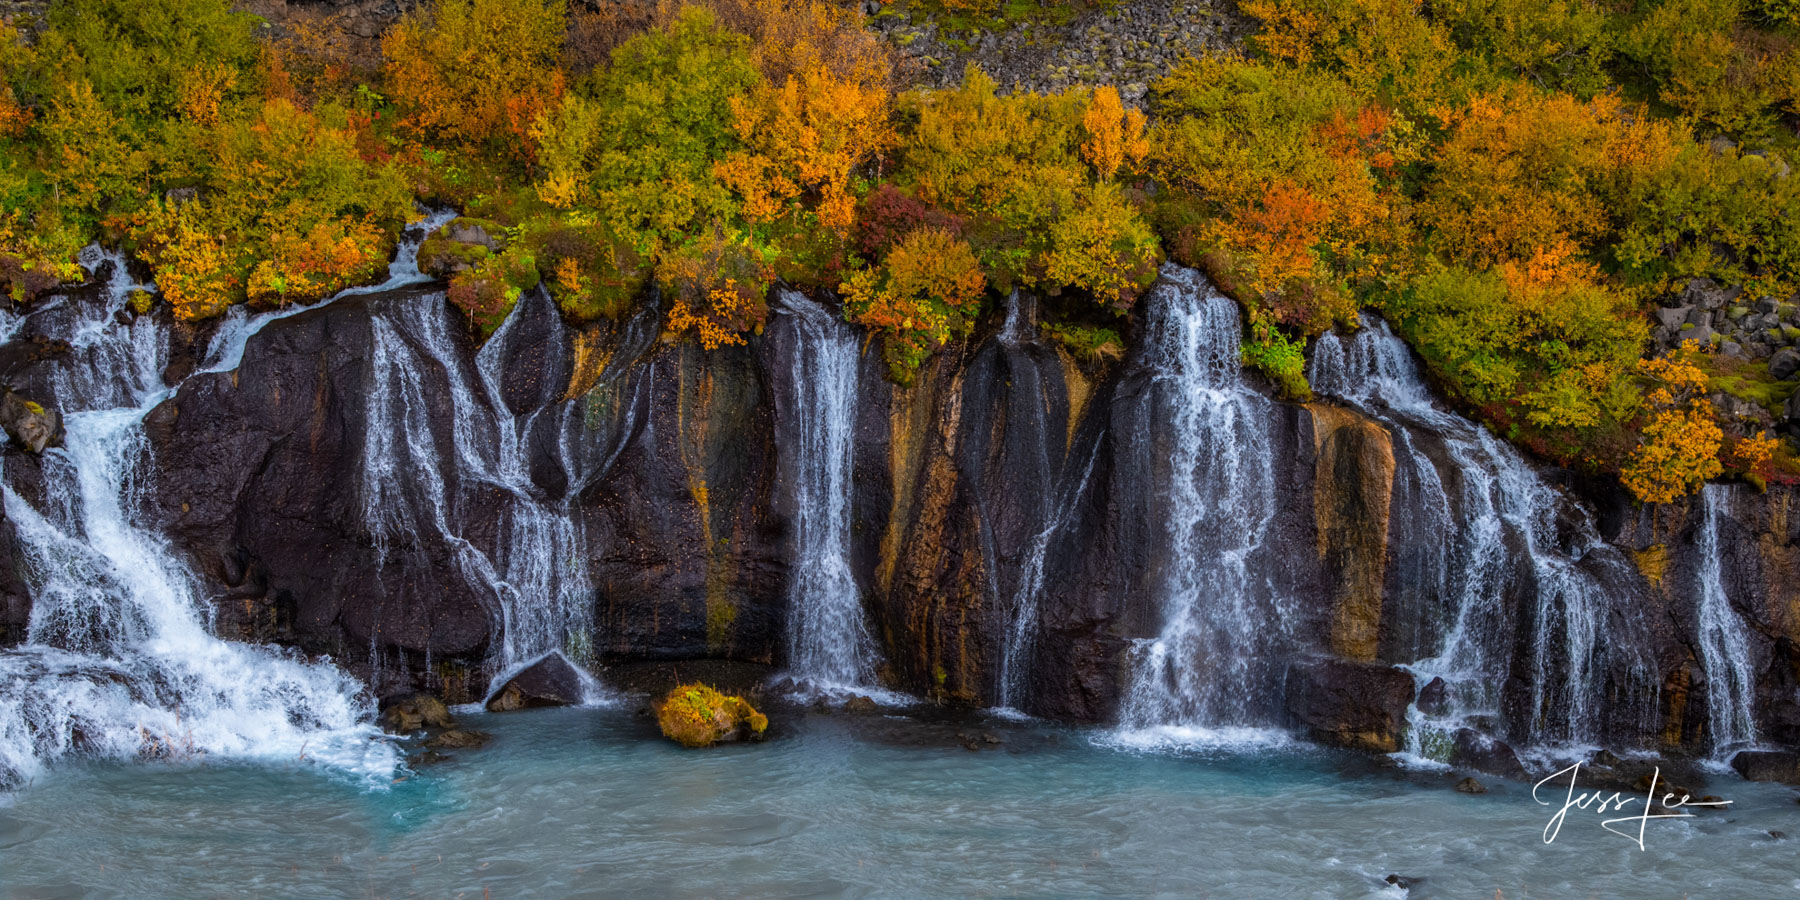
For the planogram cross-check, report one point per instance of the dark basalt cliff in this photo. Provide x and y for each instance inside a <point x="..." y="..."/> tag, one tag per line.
<point x="672" y="458"/>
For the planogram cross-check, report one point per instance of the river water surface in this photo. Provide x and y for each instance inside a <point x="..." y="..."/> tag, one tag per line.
<point x="589" y="803"/>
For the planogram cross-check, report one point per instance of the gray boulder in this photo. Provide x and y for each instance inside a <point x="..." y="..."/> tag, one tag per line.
<point x="1784" y="363"/>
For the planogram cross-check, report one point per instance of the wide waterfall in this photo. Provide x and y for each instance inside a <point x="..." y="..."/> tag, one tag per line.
<point x="119" y="660"/>
<point x="1215" y="667"/>
<point x="1510" y="534"/>
<point x="1724" y="645"/>
<point x="829" y="645"/>
<point x="535" y="575"/>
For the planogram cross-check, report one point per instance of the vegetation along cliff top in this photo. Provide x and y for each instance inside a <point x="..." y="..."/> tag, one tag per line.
<point x="1580" y="215"/>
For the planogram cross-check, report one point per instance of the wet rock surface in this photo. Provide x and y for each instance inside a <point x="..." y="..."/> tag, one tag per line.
<point x="669" y="457"/>
<point x="551" y="681"/>
<point x="1348" y="704"/>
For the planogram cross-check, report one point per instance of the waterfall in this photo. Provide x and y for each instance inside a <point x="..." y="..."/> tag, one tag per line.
<point x="1213" y="670"/>
<point x="829" y="645"/>
<point x="1502" y="523"/>
<point x="1724" y="643"/>
<point x="1020" y="635"/>
<point x="119" y="660"/>
<point x="536" y="573"/>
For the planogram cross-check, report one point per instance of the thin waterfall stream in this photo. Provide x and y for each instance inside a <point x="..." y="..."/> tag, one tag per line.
<point x="1724" y="645"/>
<point x="830" y="648"/>
<point x="535" y="576"/>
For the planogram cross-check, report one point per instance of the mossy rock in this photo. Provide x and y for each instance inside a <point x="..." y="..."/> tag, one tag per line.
<point x="459" y="246"/>
<point x="695" y="715"/>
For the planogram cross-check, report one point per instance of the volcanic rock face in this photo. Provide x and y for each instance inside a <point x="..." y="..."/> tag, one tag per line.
<point x="1008" y="526"/>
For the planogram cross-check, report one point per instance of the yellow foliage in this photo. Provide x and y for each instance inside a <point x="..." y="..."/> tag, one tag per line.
<point x="479" y="72"/>
<point x="202" y="90"/>
<point x="928" y="289"/>
<point x="332" y="255"/>
<point x="194" y="270"/>
<point x="1539" y="173"/>
<point x="1115" y="135"/>
<point x="1103" y="246"/>
<point x="1679" y="448"/>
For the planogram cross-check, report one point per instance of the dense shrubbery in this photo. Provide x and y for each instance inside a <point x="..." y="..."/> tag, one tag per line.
<point x="1474" y="170"/>
<point x="1510" y="182"/>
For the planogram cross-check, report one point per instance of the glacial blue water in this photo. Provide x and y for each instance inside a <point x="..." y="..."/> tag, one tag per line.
<point x="591" y="803"/>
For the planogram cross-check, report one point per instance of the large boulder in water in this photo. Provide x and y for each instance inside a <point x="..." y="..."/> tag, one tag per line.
<point x="551" y="681"/>
<point x="1350" y="704"/>
<point x="1768" y="765"/>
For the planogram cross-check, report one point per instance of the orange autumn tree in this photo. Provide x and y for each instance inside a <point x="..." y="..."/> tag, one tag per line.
<point x="820" y="114"/>
<point x="1539" y="172"/>
<point x="1115" y="135"/>
<point x="928" y="289"/>
<point x="478" y="72"/>
<point x="805" y="138"/>
<point x="1679" y="449"/>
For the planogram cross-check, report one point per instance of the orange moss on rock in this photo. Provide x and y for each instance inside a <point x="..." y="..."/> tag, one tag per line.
<point x="695" y="715"/>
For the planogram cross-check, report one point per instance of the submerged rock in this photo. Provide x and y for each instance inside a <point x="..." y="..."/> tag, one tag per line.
<point x="694" y="715"/>
<point x="551" y="681"/>
<point x="459" y="739"/>
<point x="409" y="714"/>
<point x="1471" y="786"/>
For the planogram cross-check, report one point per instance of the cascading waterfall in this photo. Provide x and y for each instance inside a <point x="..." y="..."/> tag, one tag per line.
<point x="829" y="645"/>
<point x="1212" y="671"/>
<point x="536" y="574"/>
<point x="1501" y="504"/>
<point x="1724" y="642"/>
<point x="1022" y="633"/>
<point x="119" y="660"/>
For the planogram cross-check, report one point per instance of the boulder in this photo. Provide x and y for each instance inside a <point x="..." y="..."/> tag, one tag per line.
<point x="1470" y="749"/>
<point x="1471" y="786"/>
<point x="551" y="681"/>
<point x="1784" y="363"/>
<point x="1768" y="765"/>
<point x="406" y="715"/>
<point x="1705" y="293"/>
<point x="29" y="425"/>
<point x="1673" y="316"/>
<point x="1434" y="698"/>
<point x="457" y="247"/>
<point x="694" y="715"/>
<point x="1350" y="704"/>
